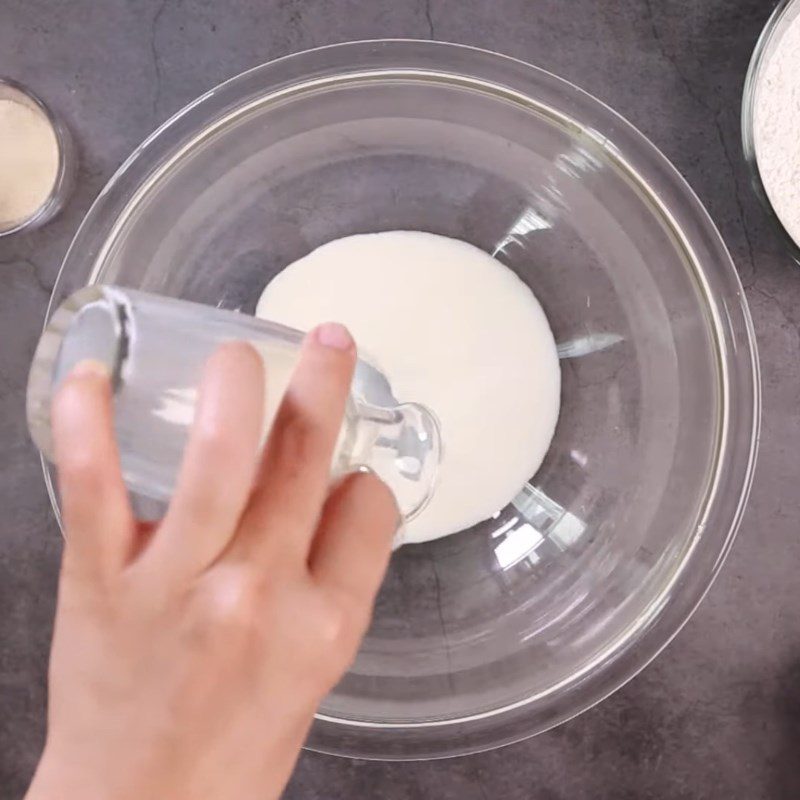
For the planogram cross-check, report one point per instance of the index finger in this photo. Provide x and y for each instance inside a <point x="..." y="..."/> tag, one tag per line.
<point x="294" y="476"/>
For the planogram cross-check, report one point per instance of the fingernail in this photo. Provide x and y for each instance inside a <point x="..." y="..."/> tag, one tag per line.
<point x="89" y="366"/>
<point x="332" y="334"/>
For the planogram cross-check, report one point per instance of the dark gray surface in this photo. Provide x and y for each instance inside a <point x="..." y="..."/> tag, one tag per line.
<point x="718" y="714"/>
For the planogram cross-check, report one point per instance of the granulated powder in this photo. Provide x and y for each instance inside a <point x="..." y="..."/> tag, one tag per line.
<point x="777" y="128"/>
<point x="28" y="160"/>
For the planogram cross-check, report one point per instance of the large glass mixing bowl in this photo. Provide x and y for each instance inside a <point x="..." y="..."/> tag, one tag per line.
<point x="507" y="629"/>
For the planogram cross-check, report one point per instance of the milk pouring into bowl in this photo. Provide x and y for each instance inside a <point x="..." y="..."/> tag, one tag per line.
<point x="154" y="349"/>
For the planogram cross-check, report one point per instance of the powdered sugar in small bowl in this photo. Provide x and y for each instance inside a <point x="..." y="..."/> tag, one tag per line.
<point x="37" y="161"/>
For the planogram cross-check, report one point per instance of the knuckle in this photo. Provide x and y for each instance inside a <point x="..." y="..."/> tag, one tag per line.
<point x="333" y="626"/>
<point x="83" y="470"/>
<point x="217" y="447"/>
<point x="228" y="607"/>
<point x="341" y="626"/>
<point x="204" y="506"/>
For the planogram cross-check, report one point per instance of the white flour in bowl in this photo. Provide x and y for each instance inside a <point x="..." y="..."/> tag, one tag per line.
<point x="454" y="329"/>
<point x="777" y="128"/>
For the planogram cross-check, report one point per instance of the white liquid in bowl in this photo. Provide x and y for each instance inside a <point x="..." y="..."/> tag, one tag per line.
<point x="454" y="329"/>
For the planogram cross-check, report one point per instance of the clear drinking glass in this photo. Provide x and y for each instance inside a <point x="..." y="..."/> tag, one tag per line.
<point x="155" y="347"/>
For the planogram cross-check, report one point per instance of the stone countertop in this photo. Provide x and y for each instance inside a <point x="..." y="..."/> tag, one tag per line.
<point x="718" y="714"/>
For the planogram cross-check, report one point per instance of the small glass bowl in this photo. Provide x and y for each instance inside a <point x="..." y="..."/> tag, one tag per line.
<point x="785" y="12"/>
<point x="62" y="185"/>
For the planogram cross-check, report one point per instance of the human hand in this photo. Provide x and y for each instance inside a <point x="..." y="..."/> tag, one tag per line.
<point x="189" y="657"/>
